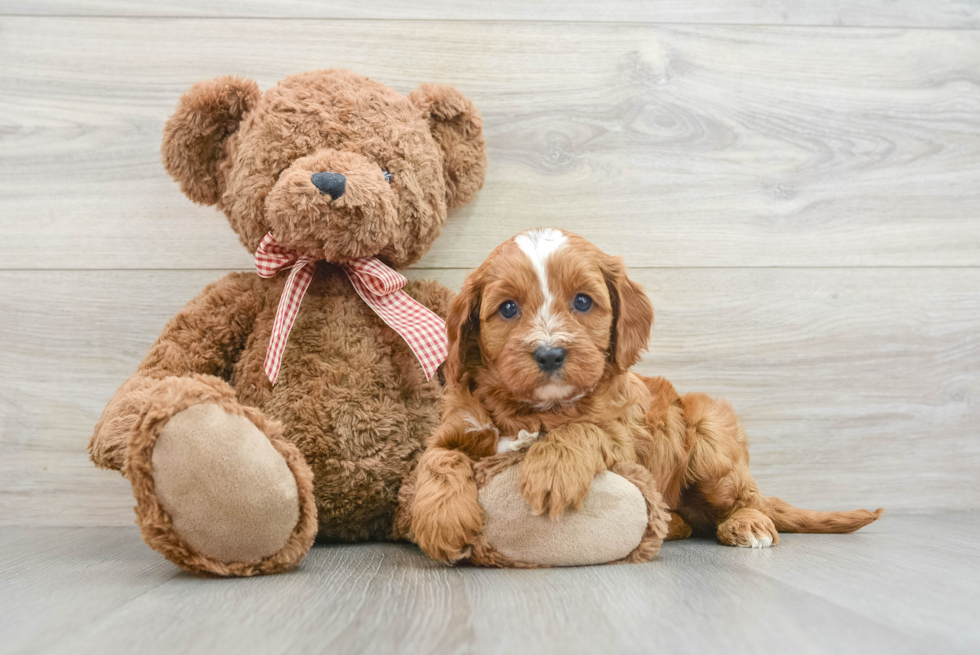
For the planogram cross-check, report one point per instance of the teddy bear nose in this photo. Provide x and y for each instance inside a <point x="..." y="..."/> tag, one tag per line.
<point x="332" y="184"/>
<point x="549" y="358"/>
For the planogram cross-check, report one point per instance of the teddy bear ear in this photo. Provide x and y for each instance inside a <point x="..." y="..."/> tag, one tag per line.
<point x="458" y="129"/>
<point x="195" y="135"/>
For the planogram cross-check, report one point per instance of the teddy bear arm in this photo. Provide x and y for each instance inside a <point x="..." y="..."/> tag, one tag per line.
<point x="432" y="294"/>
<point x="206" y="337"/>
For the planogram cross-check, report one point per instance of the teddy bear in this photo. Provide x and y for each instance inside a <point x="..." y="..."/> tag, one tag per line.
<point x="293" y="403"/>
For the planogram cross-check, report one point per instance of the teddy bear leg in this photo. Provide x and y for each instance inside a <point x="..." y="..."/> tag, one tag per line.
<point x="217" y="490"/>
<point x="623" y="519"/>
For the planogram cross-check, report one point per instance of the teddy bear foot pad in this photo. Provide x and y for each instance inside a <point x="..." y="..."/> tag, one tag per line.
<point x="607" y="528"/>
<point x="623" y="519"/>
<point x="229" y="494"/>
<point x="216" y="494"/>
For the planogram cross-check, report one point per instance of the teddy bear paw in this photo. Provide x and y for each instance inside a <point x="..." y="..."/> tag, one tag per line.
<point x="215" y="493"/>
<point x="229" y="494"/>
<point x="609" y="526"/>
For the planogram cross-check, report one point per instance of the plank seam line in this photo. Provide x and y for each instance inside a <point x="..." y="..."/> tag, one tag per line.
<point x="502" y="21"/>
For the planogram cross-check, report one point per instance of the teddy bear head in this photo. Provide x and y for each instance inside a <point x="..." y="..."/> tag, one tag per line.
<point x="334" y="165"/>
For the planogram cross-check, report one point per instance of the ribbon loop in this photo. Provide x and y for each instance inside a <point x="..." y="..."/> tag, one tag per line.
<point x="270" y="257"/>
<point x="378" y="285"/>
<point x="374" y="275"/>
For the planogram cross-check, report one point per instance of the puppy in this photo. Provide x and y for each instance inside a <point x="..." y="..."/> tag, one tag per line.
<point x="541" y="340"/>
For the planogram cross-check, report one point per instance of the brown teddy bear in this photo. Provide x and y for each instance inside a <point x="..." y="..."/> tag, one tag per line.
<point x="292" y="404"/>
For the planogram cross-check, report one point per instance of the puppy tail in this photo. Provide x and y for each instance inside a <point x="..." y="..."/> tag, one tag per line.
<point x="792" y="519"/>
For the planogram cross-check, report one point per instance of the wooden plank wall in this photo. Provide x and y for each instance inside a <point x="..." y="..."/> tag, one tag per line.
<point x="796" y="184"/>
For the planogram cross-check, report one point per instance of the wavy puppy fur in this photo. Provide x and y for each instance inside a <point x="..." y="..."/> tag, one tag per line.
<point x="542" y="338"/>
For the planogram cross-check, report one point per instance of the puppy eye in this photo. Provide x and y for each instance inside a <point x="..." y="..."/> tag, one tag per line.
<point x="508" y="309"/>
<point x="582" y="303"/>
<point x="387" y="176"/>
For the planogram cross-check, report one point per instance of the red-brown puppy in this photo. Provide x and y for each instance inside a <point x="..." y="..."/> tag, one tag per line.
<point x="541" y="340"/>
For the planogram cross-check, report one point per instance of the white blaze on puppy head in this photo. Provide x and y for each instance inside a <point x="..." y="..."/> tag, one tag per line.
<point x="539" y="245"/>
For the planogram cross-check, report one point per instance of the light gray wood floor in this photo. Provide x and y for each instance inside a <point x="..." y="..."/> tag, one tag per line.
<point x="908" y="584"/>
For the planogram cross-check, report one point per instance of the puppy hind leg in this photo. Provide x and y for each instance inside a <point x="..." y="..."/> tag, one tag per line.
<point x="678" y="528"/>
<point x="738" y="508"/>
<point x="718" y="475"/>
<point x="719" y="470"/>
<point x="748" y="528"/>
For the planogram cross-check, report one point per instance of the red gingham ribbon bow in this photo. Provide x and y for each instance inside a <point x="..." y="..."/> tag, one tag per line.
<point x="379" y="286"/>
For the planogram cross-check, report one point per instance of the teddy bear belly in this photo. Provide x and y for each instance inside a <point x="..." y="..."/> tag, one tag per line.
<point x="352" y="396"/>
<point x="360" y="448"/>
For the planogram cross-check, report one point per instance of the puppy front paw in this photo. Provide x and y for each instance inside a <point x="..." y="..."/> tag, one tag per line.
<point x="446" y="532"/>
<point x="446" y="513"/>
<point x="553" y="480"/>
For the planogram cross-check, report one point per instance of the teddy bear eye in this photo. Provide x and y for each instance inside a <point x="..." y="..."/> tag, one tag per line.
<point x="582" y="302"/>
<point x="387" y="176"/>
<point x="509" y="309"/>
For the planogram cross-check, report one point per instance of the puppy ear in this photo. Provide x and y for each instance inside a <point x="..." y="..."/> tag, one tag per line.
<point x="632" y="316"/>
<point x="458" y="129"/>
<point x="194" y="137"/>
<point x="463" y="326"/>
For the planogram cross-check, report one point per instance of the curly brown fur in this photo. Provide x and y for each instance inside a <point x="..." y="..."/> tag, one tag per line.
<point x="446" y="494"/>
<point x="590" y="411"/>
<point x="360" y="128"/>
<point x="196" y="136"/>
<point x="558" y="471"/>
<point x="458" y="129"/>
<point x="350" y="395"/>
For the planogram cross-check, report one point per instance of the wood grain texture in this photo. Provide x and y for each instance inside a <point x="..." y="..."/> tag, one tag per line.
<point x="59" y="583"/>
<point x="889" y="588"/>
<point x="857" y="387"/>
<point x="880" y="13"/>
<point x="672" y="145"/>
<point x="945" y="580"/>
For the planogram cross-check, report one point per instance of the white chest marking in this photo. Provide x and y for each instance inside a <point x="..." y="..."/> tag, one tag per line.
<point x="523" y="440"/>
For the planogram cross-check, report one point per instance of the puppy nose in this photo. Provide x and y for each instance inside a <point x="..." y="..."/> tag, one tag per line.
<point x="549" y="358"/>
<point x="332" y="184"/>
